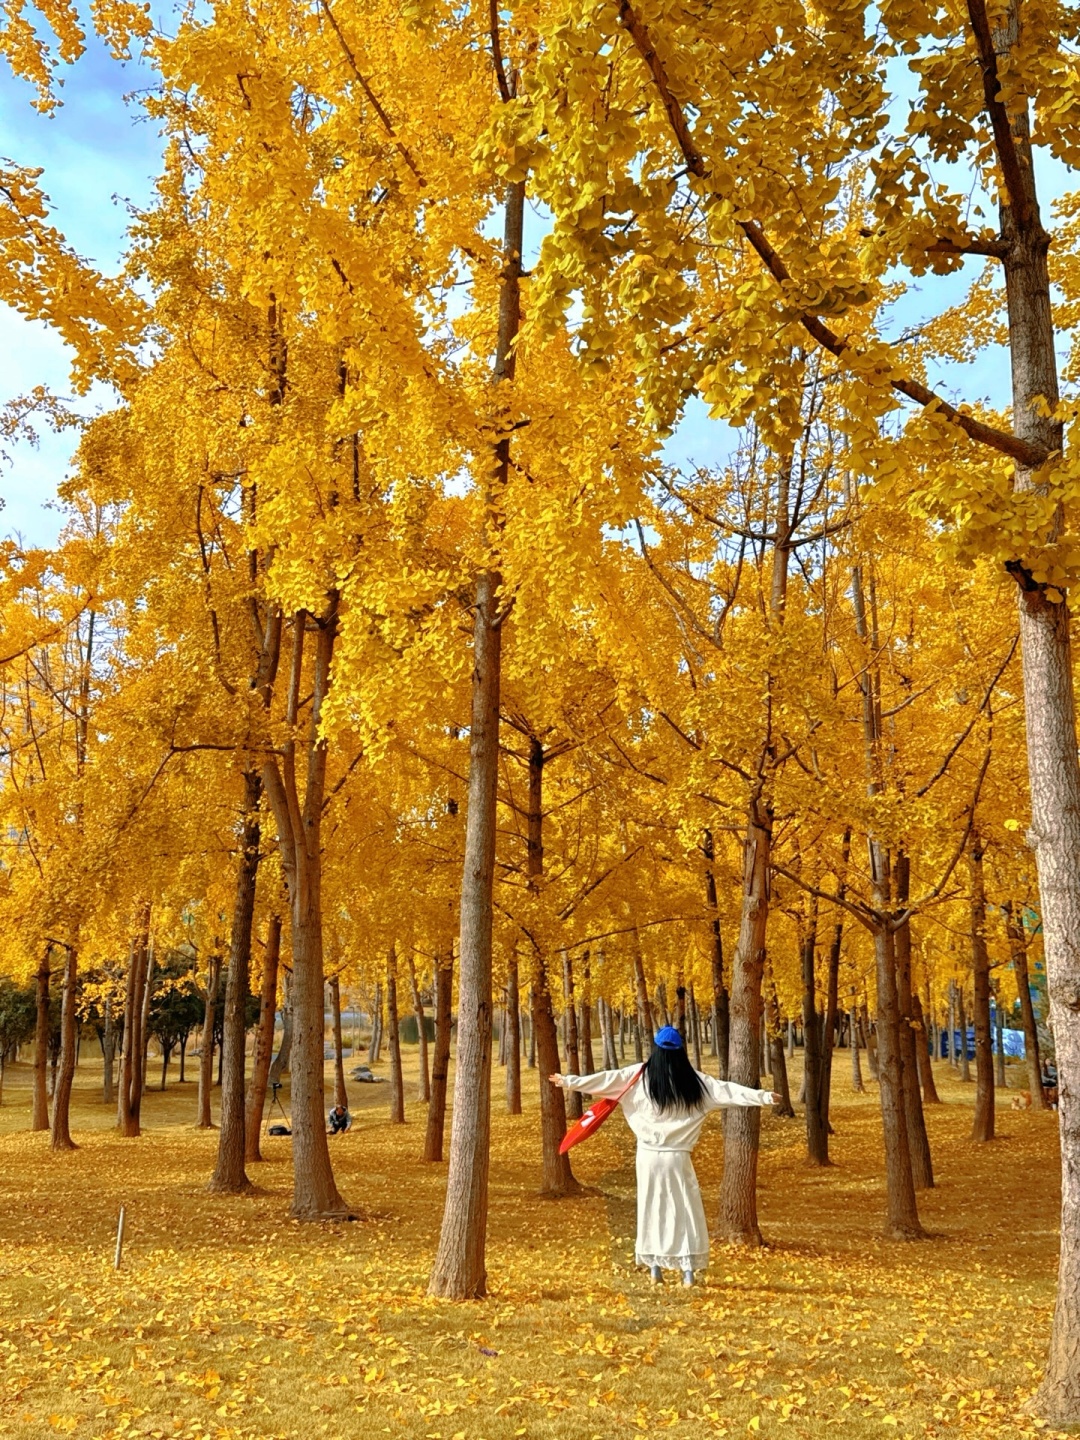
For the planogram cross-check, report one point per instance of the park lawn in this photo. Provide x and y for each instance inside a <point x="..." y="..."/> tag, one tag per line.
<point x="228" y="1319"/>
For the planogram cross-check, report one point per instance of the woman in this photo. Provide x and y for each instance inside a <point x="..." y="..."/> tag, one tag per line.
<point x="666" y="1109"/>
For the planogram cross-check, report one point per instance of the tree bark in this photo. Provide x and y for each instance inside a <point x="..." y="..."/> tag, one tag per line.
<point x="298" y="821"/>
<point x="205" y="1119"/>
<point x="60" y="1129"/>
<point x="585" y="1029"/>
<point x="965" y="1064"/>
<point x="738" y="1221"/>
<point x="856" y="1069"/>
<point x="922" y="1168"/>
<point x="574" y="1108"/>
<point x="280" y="1064"/>
<point x="440" y="1064"/>
<point x="775" y="1042"/>
<point x="695" y="1026"/>
<point x="1000" y="1079"/>
<point x="397" y="1081"/>
<point x="108" y="1056"/>
<point x="1018" y="950"/>
<point x="423" y="1085"/>
<point x="460" y="1270"/>
<point x="129" y="1099"/>
<point x="641" y="991"/>
<point x="341" y="1095"/>
<point x="902" y="1215"/>
<point x="264" y="1043"/>
<point x="1049" y="708"/>
<point x="832" y="1002"/>
<point x="230" y="1176"/>
<point x="817" y="1128"/>
<point x="930" y="1095"/>
<point x="144" y="1020"/>
<point x="375" y="1043"/>
<point x="513" y="1048"/>
<point x="983" y="1125"/>
<point x="556" y="1177"/>
<point x="607" y="1032"/>
<point x="40" y="1120"/>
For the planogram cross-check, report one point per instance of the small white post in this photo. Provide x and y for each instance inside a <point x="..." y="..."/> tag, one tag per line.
<point x="119" y="1239"/>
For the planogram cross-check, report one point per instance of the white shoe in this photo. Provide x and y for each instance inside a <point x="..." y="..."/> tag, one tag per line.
<point x="657" y="1274"/>
<point x="688" y="1278"/>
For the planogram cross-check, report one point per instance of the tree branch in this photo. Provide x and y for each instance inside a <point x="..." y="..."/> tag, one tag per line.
<point x="1024" y="453"/>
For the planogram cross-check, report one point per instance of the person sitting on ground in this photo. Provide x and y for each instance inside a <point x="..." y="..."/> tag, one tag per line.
<point x="339" y="1120"/>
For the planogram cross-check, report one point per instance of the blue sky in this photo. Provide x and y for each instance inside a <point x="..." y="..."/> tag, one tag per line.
<point x="98" y="153"/>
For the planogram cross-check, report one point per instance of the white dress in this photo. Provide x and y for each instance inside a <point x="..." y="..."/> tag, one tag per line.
<point x="671" y="1227"/>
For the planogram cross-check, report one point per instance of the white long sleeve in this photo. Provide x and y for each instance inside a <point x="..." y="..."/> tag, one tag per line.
<point x="725" y="1092"/>
<point x="605" y="1084"/>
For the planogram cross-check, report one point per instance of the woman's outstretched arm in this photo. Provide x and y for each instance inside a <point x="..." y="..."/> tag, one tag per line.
<point x="605" y="1083"/>
<point x="725" y="1092"/>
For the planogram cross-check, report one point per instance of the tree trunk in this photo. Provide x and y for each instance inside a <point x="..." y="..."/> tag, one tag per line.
<point x="144" y="1019"/>
<point x="60" y="1130"/>
<point x="40" y="1120"/>
<point x="375" y="1044"/>
<point x="341" y="1095"/>
<point x="513" y="1048"/>
<point x="423" y="1084"/>
<point x="108" y="1056"/>
<point x="902" y="1215"/>
<point x="440" y="1064"/>
<point x="130" y="1089"/>
<point x="573" y="1059"/>
<point x="230" y="1177"/>
<point x="775" y="1042"/>
<point x="695" y="1027"/>
<point x="1000" y="1079"/>
<point x="280" y="1064"/>
<point x="832" y="1008"/>
<point x="556" y="1177"/>
<point x="930" y="1095"/>
<point x="205" y="1120"/>
<point x="585" y="1031"/>
<point x="817" y="1128"/>
<point x="1018" y="951"/>
<point x="641" y="990"/>
<point x="1049" y="708"/>
<point x="264" y="1043"/>
<point x="983" y="1124"/>
<point x="607" y="1033"/>
<point x="856" y="1070"/>
<point x="922" y="1169"/>
<point x="298" y="821"/>
<point x="965" y="1065"/>
<point x="742" y="1125"/>
<point x="460" y="1270"/>
<point x="397" y="1081"/>
<point x="870" y="1036"/>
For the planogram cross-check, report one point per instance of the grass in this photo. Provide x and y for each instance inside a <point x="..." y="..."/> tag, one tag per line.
<point x="230" y="1320"/>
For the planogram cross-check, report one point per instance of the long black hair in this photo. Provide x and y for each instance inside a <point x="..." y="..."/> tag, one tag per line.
<point x="671" y="1082"/>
